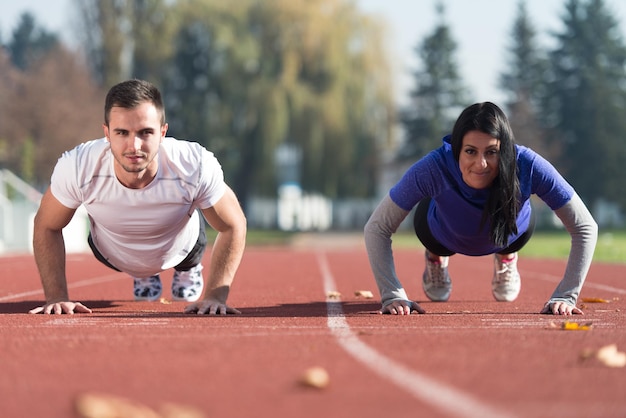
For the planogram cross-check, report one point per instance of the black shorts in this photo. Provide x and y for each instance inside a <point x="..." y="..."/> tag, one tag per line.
<point x="420" y="224"/>
<point x="193" y="258"/>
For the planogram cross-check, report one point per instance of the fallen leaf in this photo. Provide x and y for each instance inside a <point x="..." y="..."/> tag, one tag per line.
<point x="316" y="377"/>
<point x="574" y="326"/>
<point x="364" y="294"/>
<point x="333" y="294"/>
<point x="100" y="405"/>
<point x="165" y="301"/>
<point x="172" y="410"/>
<point x="595" y="300"/>
<point x="610" y="357"/>
<point x="587" y="353"/>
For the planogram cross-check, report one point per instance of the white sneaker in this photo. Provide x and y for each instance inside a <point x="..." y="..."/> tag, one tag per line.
<point x="188" y="285"/>
<point x="506" y="283"/>
<point x="148" y="288"/>
<point x="436" y="280"/>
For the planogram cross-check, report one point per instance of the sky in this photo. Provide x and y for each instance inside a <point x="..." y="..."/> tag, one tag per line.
<point x="481" y="28"/>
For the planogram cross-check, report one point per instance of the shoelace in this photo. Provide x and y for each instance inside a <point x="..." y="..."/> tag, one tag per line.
<point x="505" y="275"/>
<point x="436" y="272"/>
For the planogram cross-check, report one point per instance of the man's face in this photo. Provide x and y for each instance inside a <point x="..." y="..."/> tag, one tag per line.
<point x="135" y="135"/>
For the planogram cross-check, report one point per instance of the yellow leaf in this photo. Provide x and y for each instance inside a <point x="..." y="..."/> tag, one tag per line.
<point x="595" y="300"/>
<point x="574" y="326"/>
<point x="364" y="294"/>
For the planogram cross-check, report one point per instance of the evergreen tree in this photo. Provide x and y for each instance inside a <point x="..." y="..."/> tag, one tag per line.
<point x="29" y="42"/>
<point x="523" y="82"/>
<point x="439" y="95"/>
<point x="586" y="101"/>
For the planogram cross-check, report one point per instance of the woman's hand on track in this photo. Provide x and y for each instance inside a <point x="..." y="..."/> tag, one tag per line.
<point x="402" y="307"/>
<point x="560" y="308"/>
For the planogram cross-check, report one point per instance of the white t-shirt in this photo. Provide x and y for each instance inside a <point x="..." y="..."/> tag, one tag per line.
<point x="141" y="231"/>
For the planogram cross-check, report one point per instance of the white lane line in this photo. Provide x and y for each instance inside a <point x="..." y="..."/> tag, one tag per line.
<point x="105" y="322"/>
<point x="427" y="390"/>
<point x="604" y="287"/>
<point x="82" y="283"/>
<point x="556" y="279"/>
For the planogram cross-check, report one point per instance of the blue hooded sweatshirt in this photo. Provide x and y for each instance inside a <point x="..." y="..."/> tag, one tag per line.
<point x="456" y="210"/>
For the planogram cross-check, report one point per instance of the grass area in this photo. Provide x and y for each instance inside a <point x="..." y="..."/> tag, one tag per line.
<point x="261" y="237"/>
<point x="611" y="246"/>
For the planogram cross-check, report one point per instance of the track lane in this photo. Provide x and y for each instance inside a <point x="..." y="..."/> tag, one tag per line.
<point x="505" y="355"/>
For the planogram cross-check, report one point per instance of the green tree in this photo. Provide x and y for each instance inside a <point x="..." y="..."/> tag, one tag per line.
<point x="215" y="93"/>
<point x="523" y="82"/>
<point x="439" y="94"/>
<point x="123" y="39"/>
<point x="586" y="101"/>
<point x="249" y="76"/>
<point x="29" y="42"/>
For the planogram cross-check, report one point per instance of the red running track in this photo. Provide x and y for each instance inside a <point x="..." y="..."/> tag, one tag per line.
<point x="468" y="357"/>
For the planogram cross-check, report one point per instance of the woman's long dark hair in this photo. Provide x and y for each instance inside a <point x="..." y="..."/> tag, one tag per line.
<point x="502" y="205"/>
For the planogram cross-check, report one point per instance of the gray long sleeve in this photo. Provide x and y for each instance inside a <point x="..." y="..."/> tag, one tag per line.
<point x="382" y="224"/>
<point x="388" y="216"/>
<point x="584" y="232"/>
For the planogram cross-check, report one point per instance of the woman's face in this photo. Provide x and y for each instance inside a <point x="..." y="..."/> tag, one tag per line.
<point x="479" y="158"/>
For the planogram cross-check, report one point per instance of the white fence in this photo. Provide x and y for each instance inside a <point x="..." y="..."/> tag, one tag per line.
<point x="295" y="210"/>
<point x="18" y="204"/>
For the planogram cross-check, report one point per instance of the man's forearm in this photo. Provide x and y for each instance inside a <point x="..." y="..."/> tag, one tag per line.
<point x="49" y="250"/>
<point x="225" y="258"/>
